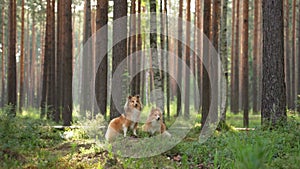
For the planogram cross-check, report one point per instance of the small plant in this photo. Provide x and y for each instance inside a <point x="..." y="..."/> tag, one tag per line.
<point x="250" y="152"/>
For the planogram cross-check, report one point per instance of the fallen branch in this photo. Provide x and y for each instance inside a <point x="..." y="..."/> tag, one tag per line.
<point x="72" y="127"/>
<point x="245" y="129"/>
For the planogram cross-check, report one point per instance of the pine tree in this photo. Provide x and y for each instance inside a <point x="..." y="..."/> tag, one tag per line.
<point x="273" y="89"/>
<point x="12" y="69"/>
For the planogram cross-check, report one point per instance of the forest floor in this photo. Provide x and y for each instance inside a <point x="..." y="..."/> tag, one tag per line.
<point x="28" y="142"/>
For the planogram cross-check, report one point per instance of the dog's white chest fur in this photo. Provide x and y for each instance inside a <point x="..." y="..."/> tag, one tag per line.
<point x="135" y="115"/>
<point x="155" y="126"/>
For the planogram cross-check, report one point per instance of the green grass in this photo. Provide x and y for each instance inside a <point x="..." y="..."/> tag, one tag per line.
<point x="28" y="142"/>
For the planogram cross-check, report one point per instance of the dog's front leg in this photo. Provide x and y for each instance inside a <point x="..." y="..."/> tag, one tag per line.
<point x="125" y="130"/>
<point x="134" y="129"/>
<point x="134" y="132"/>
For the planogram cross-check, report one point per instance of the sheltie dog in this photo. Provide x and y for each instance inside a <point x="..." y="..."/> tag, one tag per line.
<point x="127" y="120"/>
<point x="154" y="123"/>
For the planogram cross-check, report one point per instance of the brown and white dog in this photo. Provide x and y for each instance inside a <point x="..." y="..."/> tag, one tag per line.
<point x="127" y="120"/>
<point x="154" y="123"/>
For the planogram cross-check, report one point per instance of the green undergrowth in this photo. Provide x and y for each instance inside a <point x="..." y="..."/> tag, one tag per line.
<point x="28" y="142"/>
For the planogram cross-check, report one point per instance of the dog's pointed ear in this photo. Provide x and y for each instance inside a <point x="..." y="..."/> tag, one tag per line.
<point x="137" y="96"/>
<point x="129" y="97"/>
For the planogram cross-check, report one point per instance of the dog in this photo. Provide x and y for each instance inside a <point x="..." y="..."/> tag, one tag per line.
<point x="154" y="123"/>
<point x="128" y="120"/>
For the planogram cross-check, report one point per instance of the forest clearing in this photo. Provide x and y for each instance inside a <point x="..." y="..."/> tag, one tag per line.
<point x="150" y="84"/>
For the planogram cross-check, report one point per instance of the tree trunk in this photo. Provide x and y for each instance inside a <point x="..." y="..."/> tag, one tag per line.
<point x="12" y="77"/>
<point x="102" y="44"/>
<point x="33" y="62"/>
<point x="194" y="55"/>
<point x="224" y="53"/>
<point x="119" y="49"/>
<point x="214" y="69"/>
<point x="255" y="56"/>
<point x="86" y="105"/>
<point x="27" y="61"/>
<point x="287" y="55"/>
<point x="51" y="90"/>
<point x="41" y="62"/>
<point x="21" y="99"/>
<point x="162" y="55"/>
<point x="167" y="59"/>
<point x="216" y="24"/>
<point x="298" y="63"/>
<point x="245" y="69"/>
<point x="273" y="91"/>
<point x="59" y="62"/>
<point x="3" y="59"/>
<point x="48" y="90"/>
<point x="139" y="48"/>
<point x="132" y="49"/>
<point x="233" y="73"/>
<point x="206" y="93"/>
<point x="179" y="53"/>
<point x="235" y="61"/>
<point x="141" y="80"/>
<point x="293" y="62"/>
<point x="187" y="60"/>
<point x="260" y="55"/>
<point x="67" y="65"/>
<point x="199" y="40"/>
<point x="157" y="94"/>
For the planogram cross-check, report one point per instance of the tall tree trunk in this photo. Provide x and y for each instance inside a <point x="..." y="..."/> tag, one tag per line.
<point x="187" y="60"/>
<point x="48" y="99"/>
<point x="27" y="61"/>
<point x="3" y="59"/>
<point x="224" y="53"/>
<point x="167" y="58"/>
<point x="162" y="56"/>
<point x="120" y="10"/>
<point x="245" y="68"/>
<point x="216" y="23"/>
<point x="67" y="65"/>
<point x="86" y="105"/>
<point x="194" y="55"/>
<point x="233" y="99"/>
<point x="51" y="90"/>
<point x="41" y="62"/>
<point x="33" y="63"/>
<point x="21" y="99"/>
<point x="199" y="40"/>
<point x="260" y="55"/>
<point x="214" y="69"/>
<point x="102" y="44"/>
<point x="273" y="91"/>
<point x="287" y="54"/>
<point x="132" y="49"/>
<point x="255" y="56"/>
<point x="206" y="93"/>
<point x="12" y="76"/>
<point x="59" y="61"/>
<point x="157" y="94"/>
<point x="179" y="53"/>
<point x="235" y="72"/>
<point x="139" y="48"/>
<point x="298" y="63"/>
<point x="293" y="62"/>
<point x="94" y="71"/>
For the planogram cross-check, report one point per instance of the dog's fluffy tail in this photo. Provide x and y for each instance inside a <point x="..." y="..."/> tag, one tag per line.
<point x="166" y="133"/>
<point x="111" y="134"/>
